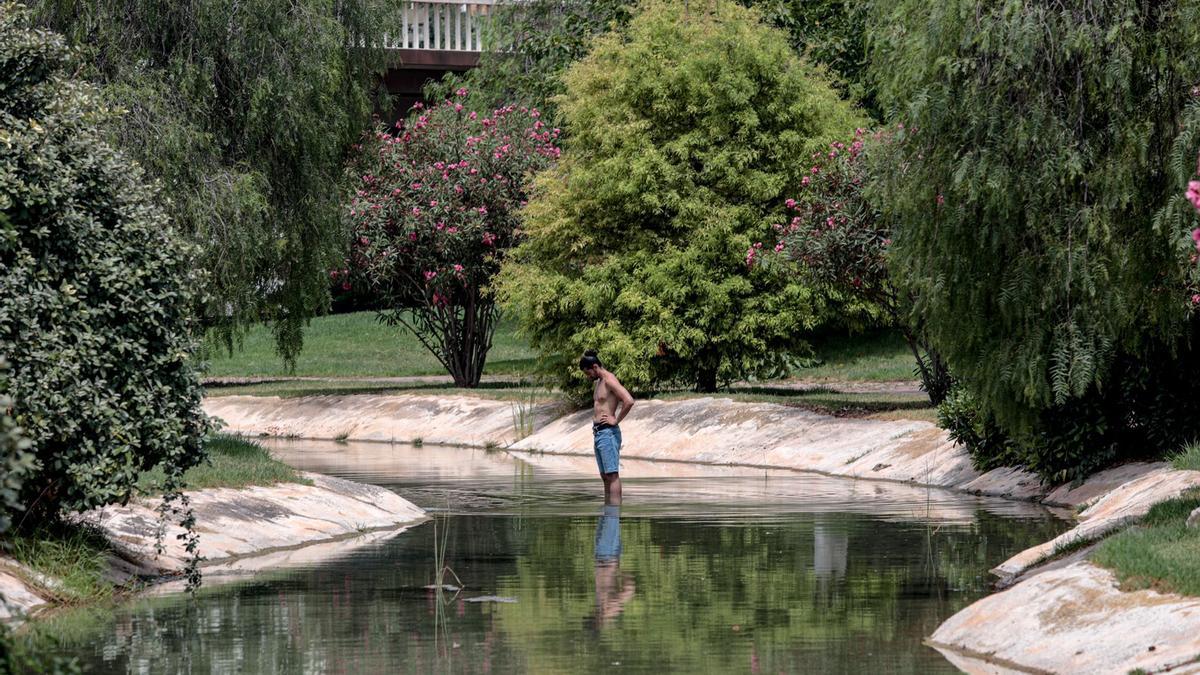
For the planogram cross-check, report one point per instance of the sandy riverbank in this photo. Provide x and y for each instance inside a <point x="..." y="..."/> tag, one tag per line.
<point x="241" y="531"/>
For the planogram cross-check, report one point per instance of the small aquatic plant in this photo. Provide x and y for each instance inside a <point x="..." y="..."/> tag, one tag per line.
<point x="523" y="414"/>
<point x="442" y="574"/>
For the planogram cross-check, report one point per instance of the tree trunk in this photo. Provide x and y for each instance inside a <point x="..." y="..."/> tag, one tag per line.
<point x="935" y="376"/>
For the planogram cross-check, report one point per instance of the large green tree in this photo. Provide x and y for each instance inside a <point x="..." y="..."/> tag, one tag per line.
<point x="97" y="291"/>
<point x="685" y="131"/>
<point x="244" y="111"/>
<point x="1039" y="212"/>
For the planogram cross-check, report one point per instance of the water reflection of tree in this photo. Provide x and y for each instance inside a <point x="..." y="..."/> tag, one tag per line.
<point x="815" y="595"/>
<point x="780" y="595"/>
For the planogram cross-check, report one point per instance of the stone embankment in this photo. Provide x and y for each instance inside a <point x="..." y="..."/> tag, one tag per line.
<point x="241" y="531"/>
<point x="1065" y="616"/>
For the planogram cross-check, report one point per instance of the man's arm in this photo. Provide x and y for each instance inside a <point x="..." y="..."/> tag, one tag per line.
<point x="622" y="394"/>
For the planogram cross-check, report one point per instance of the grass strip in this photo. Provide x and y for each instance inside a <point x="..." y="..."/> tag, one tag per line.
<point x="874" y="356"/>
<point x="75" y="558"/>
<point x="232" y="463"/>
<point x="1187" y="459"/>
<point x="1160" y="552"/>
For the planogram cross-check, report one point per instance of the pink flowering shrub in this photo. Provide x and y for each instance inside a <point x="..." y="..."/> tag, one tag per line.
<point x="1193" y="196"/>
<point x="435" y="213"/>
<point x="833" y="232"/>
<point x="837" y="239"/>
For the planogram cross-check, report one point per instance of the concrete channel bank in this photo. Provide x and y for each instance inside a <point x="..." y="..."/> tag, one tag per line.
<point x="1055" y="614"/>
<point x="242" y="531"/>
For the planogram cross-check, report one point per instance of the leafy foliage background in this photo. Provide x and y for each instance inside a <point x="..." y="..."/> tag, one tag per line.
<point x="244" y="112"/>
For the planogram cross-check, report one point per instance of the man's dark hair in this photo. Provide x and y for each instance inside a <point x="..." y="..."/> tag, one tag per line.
<point x="589" y="359"/>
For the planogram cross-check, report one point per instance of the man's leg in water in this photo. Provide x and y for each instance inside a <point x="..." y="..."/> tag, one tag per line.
<point x="612" y="488"/>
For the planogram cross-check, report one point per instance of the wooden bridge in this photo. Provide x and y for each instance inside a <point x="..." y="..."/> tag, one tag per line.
<point x="435" y="37"/>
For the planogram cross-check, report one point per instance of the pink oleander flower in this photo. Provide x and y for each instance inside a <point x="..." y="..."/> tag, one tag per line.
<point x="430" y="275"/>
<point x="458" y="269"/>
<point x="1193" y="193"/>
<point x="941" y="200"/>
<point x="805" y="181"/>
<point x="1196" y="299"/>
<point x="791" y="203"/>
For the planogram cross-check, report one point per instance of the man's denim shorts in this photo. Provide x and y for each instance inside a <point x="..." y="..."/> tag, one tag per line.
<point x="606" y="439"/>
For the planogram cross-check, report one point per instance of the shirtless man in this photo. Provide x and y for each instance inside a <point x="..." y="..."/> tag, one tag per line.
<point x="606" y="434"/>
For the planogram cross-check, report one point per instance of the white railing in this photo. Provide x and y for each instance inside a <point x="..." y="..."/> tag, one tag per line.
<point x="450" y="25"/>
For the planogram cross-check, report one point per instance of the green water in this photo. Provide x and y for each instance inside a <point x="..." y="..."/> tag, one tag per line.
<point x="701" y="570"/>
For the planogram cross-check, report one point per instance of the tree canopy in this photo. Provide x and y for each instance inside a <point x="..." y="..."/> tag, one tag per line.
<point x="685" y="130"/>
<point x="1039" y="211"/>
<point x="244" y="111"/>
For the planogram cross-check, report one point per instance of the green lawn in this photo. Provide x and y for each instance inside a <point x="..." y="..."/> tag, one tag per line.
<point x="232" y="462"/>
<point x="1161" y="552"/>
<point x="875" y="356"/>
<point x="357" y="345"/>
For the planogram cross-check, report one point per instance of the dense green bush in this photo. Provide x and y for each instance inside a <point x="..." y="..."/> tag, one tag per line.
<point x="1040" y="215"/>
<point x="244" y="112"/>
<point x="685" y="131"/>
<point x="16" y="462"/>
<point x="96" y="291"/>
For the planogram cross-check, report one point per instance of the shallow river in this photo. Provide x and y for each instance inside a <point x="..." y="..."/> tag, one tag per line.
<point x="703" y="569"/>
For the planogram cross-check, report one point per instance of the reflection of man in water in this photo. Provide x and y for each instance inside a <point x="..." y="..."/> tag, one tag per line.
<point x="606" y="434"/>
<point x="613" y="589"/>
